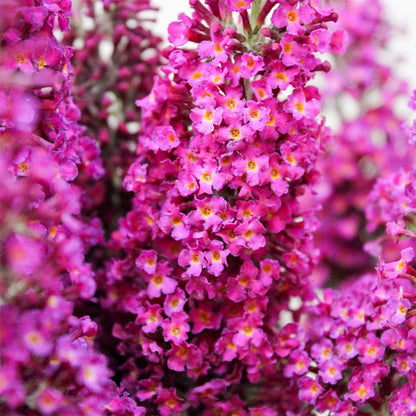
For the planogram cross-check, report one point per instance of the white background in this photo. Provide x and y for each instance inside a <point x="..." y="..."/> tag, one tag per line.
<point x="402" y="13"/>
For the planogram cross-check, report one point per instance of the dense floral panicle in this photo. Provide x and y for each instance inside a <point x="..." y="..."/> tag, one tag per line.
<point x="42" y="150"/>
<point x="370" y="139"/>
<point x="223" y="168"/>
<point x="354" y="331"/>
<point x="49" y="362"/>
<point x="392" y="203"/>
<point x="114" y="59"/>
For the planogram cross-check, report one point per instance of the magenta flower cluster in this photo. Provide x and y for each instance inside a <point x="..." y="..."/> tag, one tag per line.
<point x="371" y="140"/>
<point x="114" y="60"/>
<point x="49" y="364"/>
<point x="182" y="233"/>
<point x="217" y="228"/>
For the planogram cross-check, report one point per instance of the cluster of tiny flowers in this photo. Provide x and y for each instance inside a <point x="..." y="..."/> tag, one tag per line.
<point x="369" y="139"/>
<point x="391" y="208"/>
<point x="359" y="354"/>
<point x="207" y="299"/>
<point x="219" y="237"/>
<point x="48" y="361"/>
<point x="114" y="60"/>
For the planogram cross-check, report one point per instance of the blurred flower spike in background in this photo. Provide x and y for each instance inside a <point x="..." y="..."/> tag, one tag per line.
<point x="216" y="220"/>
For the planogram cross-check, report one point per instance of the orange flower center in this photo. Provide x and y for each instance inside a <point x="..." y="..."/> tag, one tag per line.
<point x="231" y="105"/>
<point x="292" y="16"/>
<point x="300" y="107"/>
<point x="207" y="177"/>
<point x="216" y="256"/>
<point x="206" y="211"/>
<point x="251" y="165"/>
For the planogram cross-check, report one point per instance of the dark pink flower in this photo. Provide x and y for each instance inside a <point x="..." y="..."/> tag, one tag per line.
<point x="250" y="64"/>
<point x="49" y="400"/>
<point x="331" y="371"/>
<point x="299" y="362"/>
<point x="147" y="261"/>
<point x="204" y="119"/>
<point x="238" y="5"/>
<point x="361" y="388"/>
<point x="176" y="328"/>
<point x="309" y="389"/>
<point x="292" y="17"/>
<point x="24" y="254"/>
<point x="160" y="282"/>
<point x="299" y="107"/>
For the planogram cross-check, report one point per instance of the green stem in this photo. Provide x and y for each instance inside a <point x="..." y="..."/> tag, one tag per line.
<point x="256" y="6"/>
